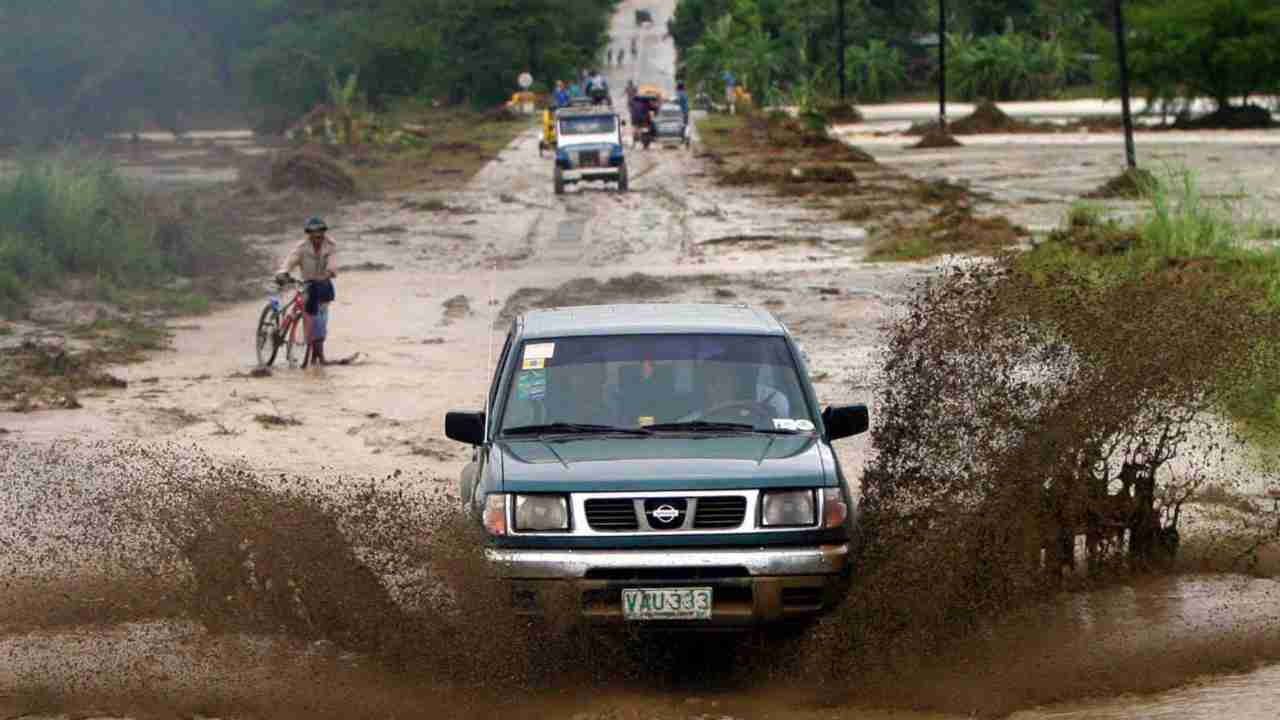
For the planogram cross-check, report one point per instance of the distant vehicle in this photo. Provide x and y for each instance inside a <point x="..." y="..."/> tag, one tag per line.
<point x="644" y="18"/>
<point x="670" y="125"/>
<point x="665" y="466"/>
<point x="589" y="148"/>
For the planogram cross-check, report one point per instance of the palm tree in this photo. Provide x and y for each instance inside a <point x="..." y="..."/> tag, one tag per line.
<point x="711" y="56"/>
<point x="877" y="70"/>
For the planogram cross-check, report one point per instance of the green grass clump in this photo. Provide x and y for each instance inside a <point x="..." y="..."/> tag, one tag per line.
<point x="64" y="216"/>
<point x="1203" y="244"/>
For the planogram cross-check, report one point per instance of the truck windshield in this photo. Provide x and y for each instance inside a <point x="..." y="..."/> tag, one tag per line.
<point x="591" y="125"/>
<point x="713" y="383"/>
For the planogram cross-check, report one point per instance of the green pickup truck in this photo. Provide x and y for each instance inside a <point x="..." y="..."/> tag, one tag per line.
<point x="664" y="465"/>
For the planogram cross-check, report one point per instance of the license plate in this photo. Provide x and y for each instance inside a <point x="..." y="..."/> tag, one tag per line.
<point x="667" y="604"/>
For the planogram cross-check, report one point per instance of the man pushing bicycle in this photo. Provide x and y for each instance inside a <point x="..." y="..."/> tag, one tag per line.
<point x="313" y="257"/>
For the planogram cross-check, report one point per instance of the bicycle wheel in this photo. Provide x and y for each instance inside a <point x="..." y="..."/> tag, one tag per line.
<point x="268" y="336"/>
<point x="296" y="348"/>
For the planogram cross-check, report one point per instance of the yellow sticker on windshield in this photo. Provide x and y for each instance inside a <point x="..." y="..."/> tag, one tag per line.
<point x="534" y="363"/>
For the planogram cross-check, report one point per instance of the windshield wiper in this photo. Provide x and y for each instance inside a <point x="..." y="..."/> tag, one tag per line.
<point x="573" y="428"/>
<point x="704" y="426"/>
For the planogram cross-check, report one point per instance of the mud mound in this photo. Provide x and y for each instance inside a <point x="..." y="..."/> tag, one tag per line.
<point x="838" y="112"/>
<point x="634" y="288"/>
<point x="937" y="139"/>
<point x="986" y="118"/>
<point x="312" y="170"/>
<point x="823" y="173"/>
<point x="953" y="229"/>
<point x="1132" y="184"/>
<point x="748" y="175"/>
<point x="1246" y="117"/>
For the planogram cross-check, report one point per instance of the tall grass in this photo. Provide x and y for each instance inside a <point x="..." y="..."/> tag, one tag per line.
<point x="65" y="216"/>
<point x="1209" y="244"/>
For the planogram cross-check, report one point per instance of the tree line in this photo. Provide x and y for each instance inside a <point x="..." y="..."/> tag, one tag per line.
<point x="998" y="49"/>
<point x="72" y="67"/>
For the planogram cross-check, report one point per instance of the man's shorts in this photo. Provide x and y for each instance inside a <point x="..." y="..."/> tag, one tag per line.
<point x="320" y="323"/>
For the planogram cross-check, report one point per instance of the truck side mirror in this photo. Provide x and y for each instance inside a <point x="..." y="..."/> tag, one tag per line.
<point x="844" y="421"/>
<point x="465" y="427"/>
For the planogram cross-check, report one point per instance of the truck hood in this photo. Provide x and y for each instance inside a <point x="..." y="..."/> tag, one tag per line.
<point x="626" y="464"/>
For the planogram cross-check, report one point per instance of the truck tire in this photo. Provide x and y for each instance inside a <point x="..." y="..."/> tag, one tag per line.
<point x="623" y="183"/>
<point x="559" y="181"/>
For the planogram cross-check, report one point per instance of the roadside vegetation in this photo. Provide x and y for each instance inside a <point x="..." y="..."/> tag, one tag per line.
<point x="998" y="50"/>
<point x="1192" y="243"/>
<point x="72" y="224"/>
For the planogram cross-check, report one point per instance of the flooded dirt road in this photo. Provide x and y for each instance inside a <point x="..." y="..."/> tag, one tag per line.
<point x="426" y="282"/>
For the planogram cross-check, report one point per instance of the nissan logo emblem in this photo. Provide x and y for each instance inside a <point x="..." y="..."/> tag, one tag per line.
<point x="666" y="514"/>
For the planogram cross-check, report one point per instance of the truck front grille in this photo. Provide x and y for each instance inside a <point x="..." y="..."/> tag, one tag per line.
<point x="589" y="158"/>
<point x="720" y="513"/>
<point x="616" y="514"/>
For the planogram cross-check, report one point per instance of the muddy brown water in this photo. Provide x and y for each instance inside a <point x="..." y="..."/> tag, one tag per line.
<point x="105" y="608"/>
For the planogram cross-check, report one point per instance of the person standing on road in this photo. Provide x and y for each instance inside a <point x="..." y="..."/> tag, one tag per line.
<point x="631" y="91"/>
<point x="313" y="257"/>
<point x="639" y="109"/>
<point x="682" y="99"/>
<point x="562" y="95"/>
<point x="730" y="91"/>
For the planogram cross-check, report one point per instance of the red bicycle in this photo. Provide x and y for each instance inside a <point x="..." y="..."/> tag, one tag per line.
<point x="285" y="323"/>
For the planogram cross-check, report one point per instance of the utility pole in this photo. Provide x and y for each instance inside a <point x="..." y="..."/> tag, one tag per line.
<point x="1123" y="57"/>
<point x="840" y="5"/>
<point x="942" y="64"/>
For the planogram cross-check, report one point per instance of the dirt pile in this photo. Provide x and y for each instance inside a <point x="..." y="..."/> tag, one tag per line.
<point x="952" y="229"/>
<point x="311" y="168"/>
<point x="1132" y="184"/>
<point x="986" y="118"/>
<point x="49" y="374"/>
<point x="823" y="173"/>
<point x="1245" y="117"/>
<point x="841" y="113"/>
<point x="935" y="138"/>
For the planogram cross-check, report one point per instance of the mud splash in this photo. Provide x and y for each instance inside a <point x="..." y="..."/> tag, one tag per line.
<point x="216" y="591"/>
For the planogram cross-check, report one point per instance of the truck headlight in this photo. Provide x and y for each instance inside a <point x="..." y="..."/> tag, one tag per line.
<point x="788" y="508"/>
<point x="540" y="513"/>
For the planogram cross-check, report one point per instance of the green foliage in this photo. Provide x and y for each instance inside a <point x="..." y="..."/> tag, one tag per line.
<point x="1221" y="49"/>
<point x="1012" y="66"/>
<point x="1193" y="240"/>
<point x="67" y="215"/>
<point x="882" y="57"/>
<point x="876" y="71"/>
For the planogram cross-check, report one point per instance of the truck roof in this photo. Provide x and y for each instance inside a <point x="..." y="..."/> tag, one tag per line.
<point x="651" y="319"/>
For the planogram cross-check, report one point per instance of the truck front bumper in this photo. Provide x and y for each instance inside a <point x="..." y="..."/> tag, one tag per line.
<point x="749" y="586"/>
